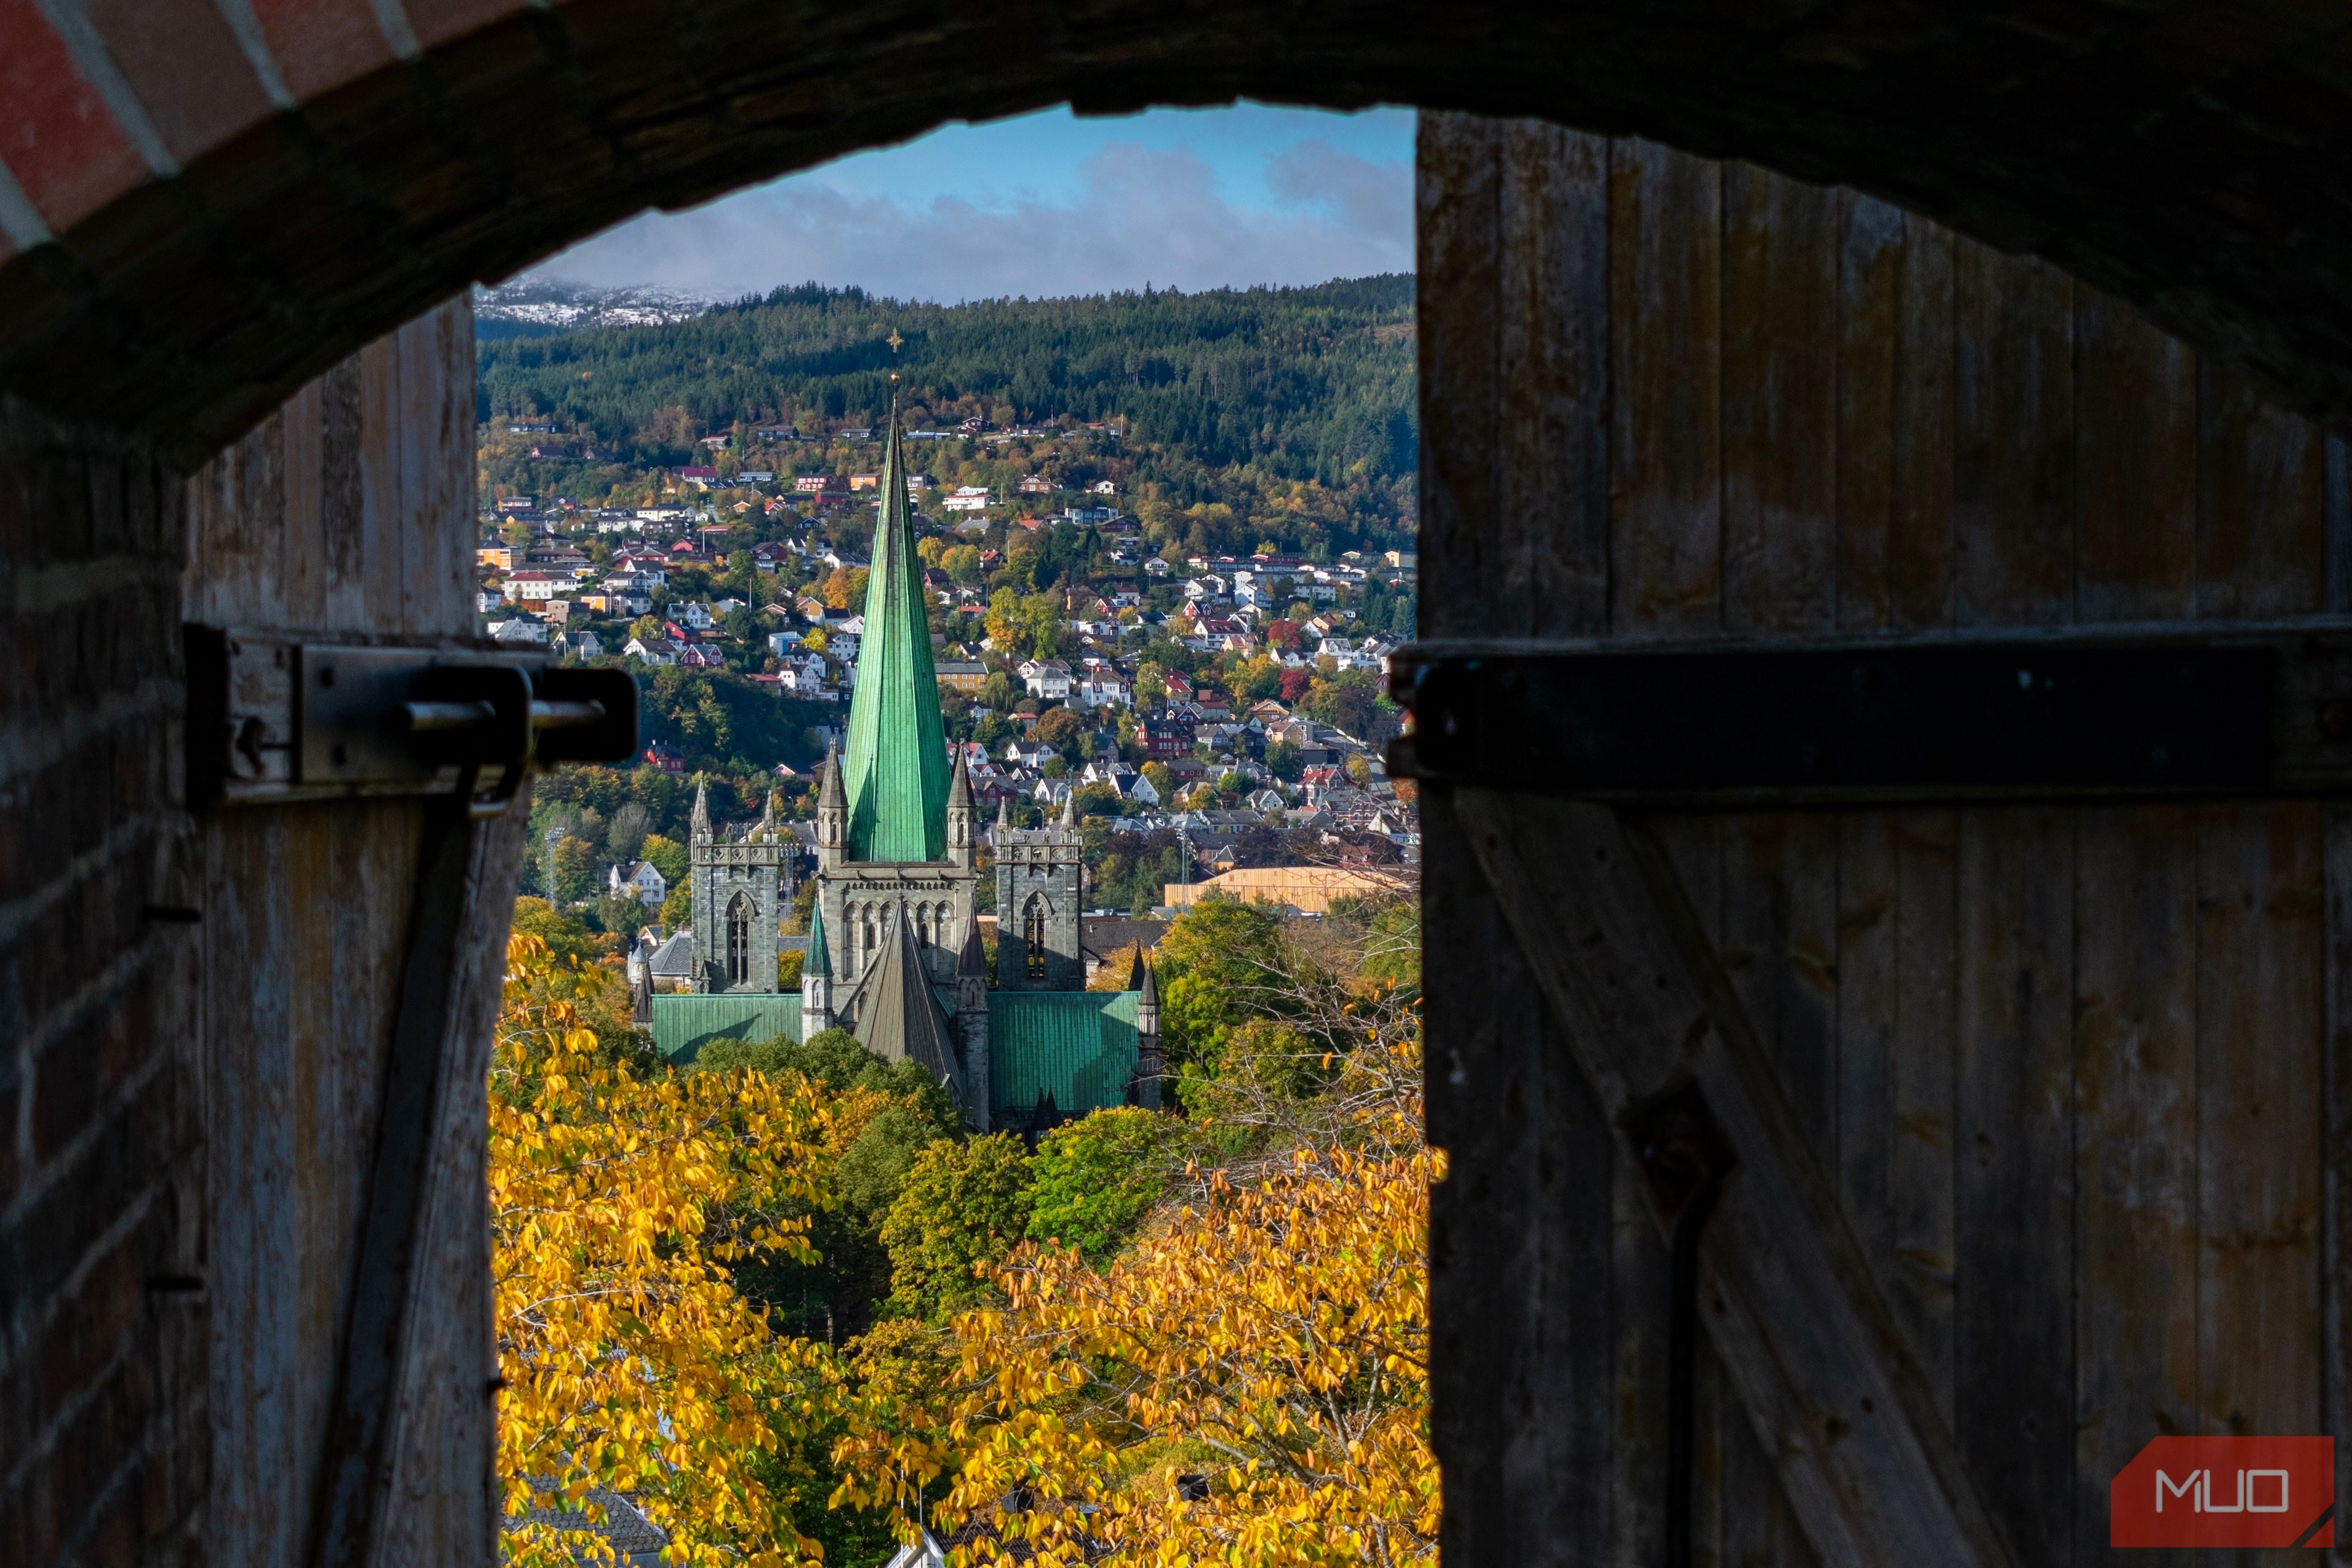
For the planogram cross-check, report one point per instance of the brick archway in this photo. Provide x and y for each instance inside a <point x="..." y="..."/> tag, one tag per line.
<point x="209" y="201"/>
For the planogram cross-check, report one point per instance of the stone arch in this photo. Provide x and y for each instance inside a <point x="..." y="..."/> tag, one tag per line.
<point x="188" y="232"/>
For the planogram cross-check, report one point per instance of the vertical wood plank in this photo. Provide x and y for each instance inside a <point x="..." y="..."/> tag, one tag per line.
<point x="1868" y="1007"/>
<point x="1665" y="371"/>
<point x="343" y="496"/>
<point x="1780" y="420"/>
<point x="1922" y="1171"/>
<point x="383" y="506"/>
<point x="453" y="470"/>
<point x="2135" y="465"/>
<point x="1521" y="1231"/>
<point x="2261" y="548"/>
<point x="253" y="1272"/>
<point x="2261" y="994"/>
<point x="2336" y="1238"/>
<point x="2013" y="1326"/>
<point x="1871" y="254"/>
<point x="1923" y="566"/>
<point x="305" y="565"/>
<point x="2135" y="1268"/>
<point x="2013" y="468"/>
<point x="1552" y="372"/>
<point x="1778" y="946"/>
<point x="1457" y="236"/>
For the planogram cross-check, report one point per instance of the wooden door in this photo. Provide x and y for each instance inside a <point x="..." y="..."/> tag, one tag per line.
<point x="350" y="955"/>
<point x="2073" y="1073"/>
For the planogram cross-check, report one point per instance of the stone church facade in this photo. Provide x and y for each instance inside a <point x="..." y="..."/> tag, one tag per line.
<point x="895" y="950"/>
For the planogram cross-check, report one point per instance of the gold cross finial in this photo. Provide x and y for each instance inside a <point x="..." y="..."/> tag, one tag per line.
<point x="894" y="341"/>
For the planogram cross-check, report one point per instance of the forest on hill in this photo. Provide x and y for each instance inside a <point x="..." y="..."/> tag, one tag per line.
<point x="1294" y="408"/>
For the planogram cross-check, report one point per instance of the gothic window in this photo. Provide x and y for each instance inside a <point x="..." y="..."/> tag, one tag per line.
<point x="922" y="922"/>
<point x="867" y="926"/>
<point x="739" y="941"/>
<point x="1033" y="935"/>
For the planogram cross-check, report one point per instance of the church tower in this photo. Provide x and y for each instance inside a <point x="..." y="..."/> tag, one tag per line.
<point x="896" y="845"/>
<point x="1040" y="878"/>
<point x="738" y="896"/>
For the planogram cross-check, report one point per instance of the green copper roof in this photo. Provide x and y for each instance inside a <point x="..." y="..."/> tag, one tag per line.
<point x="897" y="764"/>
<point x="817" y="961"/>
<point x="1079" y="1044"/>
<point x="684" y="1021"/>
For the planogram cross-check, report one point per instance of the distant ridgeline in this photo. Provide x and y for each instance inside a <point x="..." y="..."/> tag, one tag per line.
<point x="1226" y="394"/>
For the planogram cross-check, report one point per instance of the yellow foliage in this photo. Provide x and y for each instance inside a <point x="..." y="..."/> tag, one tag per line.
<point x="1249" y="1383"/>
<point x="629" y="1361"/>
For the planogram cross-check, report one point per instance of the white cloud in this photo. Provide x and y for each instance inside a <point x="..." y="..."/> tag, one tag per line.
<point x="1142" y="215"/>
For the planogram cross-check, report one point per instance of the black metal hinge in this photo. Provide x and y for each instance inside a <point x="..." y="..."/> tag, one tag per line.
<point x="2217" y="715"/>
<point x="273" y="719"/>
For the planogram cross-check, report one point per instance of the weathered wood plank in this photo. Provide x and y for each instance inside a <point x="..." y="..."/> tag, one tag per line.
<point x="2135" y="465"/>
<point x="1552" y="315"/>
<point x="2135" y="1140"/>
<point x="1781" y="403"/>
<point x="1778" y="948"/>
<point x="304" y="598"/>
<point x="1787" y="1293"/>
<point x="1922" y="1173"/>
<point x="2336" y="1127"/>
<point x="2261" y="548"/>
<point x="1521" y="1297"/>
<point x="1871" y="255"/>
<point x="1923" y="557"/>
<point x="2016" y="1179"/>
<point x="254" y="1274"/>
<point x="1457" y="239"/>
<point x="1869" y="1003"/>
<point x="383" y="503"/>
<point x="1665" y="379"/>
<point x="2261" y="1001"/>
<point x="2013" y="466"/>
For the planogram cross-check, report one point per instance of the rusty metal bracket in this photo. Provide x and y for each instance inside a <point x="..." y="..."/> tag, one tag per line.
<point x="2228" y="713"/>
<point x="273" y="720"/>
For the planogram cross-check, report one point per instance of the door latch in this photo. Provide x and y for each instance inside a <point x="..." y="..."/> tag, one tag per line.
<point x="274" y="719"/>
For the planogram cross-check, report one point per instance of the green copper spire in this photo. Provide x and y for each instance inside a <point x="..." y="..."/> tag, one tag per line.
<point x="896" y="765"/>
<point x="819" y="962"/>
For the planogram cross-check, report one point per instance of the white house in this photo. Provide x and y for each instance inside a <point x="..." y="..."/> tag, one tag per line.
<point x="531" y="587"/>
<point x="642" y="880"/>
<point x="1047" y="679"/>
<point x="521" y="629"/>
<point x="693" y="617"/>
<point x="967" y="498"/>
<point x="653" y="651"/>
<point x="583" y="644"/>
<point x="1104" y="689"/>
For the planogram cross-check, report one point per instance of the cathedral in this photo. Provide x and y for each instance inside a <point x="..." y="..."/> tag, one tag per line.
<point x="895" y="950"/>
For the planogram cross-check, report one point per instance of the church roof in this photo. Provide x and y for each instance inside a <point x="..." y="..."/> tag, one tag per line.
<point x="896" y="763"/>
<point x="899" y="1019"/>
<point x="685" y="1021"/>
<point x="1080" y="1046"/>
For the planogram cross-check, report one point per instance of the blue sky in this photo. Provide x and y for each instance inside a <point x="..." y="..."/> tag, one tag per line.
<point x="1050" y="204"/>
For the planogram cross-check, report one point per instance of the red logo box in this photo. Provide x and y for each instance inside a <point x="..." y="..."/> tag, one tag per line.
<point x="2226" y="1492"/>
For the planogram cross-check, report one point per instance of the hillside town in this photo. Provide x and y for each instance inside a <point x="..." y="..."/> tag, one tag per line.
<point x="1199" y="714"/>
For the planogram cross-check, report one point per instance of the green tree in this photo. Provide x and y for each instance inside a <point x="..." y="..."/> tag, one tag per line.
<point x="963" y="1206"/>
<point x="1094" y="1180"/>
<point x="1219" y="964"/>
<point x="666" y="856"/>
<point x="677" y="908"/>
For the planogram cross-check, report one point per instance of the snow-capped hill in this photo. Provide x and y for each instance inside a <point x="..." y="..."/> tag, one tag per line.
<point x="529" y="306"/>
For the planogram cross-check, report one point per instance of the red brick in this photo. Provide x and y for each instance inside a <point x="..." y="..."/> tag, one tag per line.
<point x="322" y="44"/>
<point x="55" y="135"/>
<point x="184" y="65"/>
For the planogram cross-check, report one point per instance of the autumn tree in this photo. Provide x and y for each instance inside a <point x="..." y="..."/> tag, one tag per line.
<point x="621" y="1206"/>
